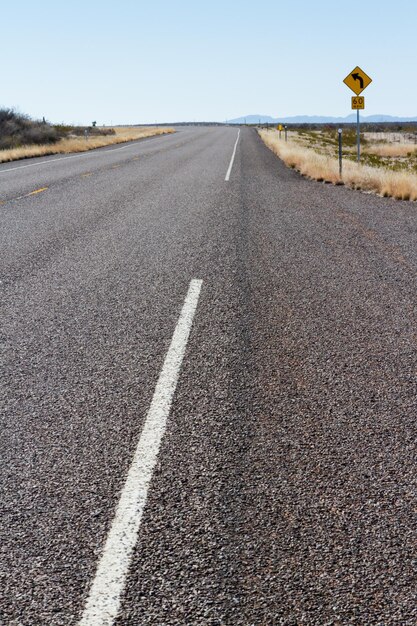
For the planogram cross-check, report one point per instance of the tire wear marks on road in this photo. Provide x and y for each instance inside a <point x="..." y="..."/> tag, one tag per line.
<point x="371" y="235"/>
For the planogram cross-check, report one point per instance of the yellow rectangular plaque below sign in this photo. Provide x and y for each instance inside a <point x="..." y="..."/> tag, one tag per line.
<point x="358" y="102"/>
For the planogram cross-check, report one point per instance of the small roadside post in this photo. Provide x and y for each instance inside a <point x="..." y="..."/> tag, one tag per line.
<point x="280" y="130"/>
<point x="286" y="132"/>
<point x="340" y="132"/>
<point x="357" y="81"/>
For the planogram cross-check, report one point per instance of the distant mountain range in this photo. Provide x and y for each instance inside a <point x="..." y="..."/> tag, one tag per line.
<point x="317" y="119"/>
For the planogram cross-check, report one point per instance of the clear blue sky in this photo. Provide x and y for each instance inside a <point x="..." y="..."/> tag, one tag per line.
<point x="131" y="61"/>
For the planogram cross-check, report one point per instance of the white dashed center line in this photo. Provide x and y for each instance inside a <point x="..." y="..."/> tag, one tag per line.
<point x="233" y="157"/>
<point x="103" y="600"/>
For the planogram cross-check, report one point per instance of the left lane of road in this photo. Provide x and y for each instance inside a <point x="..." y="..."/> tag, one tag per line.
<point x="93" y="275"/>
<point x="20" y="177"/>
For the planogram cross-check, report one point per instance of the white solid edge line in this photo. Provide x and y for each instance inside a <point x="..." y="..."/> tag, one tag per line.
<point x="233" y="158"/>
<point x="93" y="152"/>
<point x="103" y="600"/>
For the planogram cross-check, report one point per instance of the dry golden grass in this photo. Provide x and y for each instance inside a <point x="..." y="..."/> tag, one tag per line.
<point x="390" y="149"/>
<point x="81" y="144"/>
<point x="399" y="185"/>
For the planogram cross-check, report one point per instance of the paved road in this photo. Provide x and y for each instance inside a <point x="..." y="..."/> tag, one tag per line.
<point x="284" y="489"/>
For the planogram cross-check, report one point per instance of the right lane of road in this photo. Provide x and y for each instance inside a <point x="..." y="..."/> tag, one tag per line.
<point x="283" y="488"/>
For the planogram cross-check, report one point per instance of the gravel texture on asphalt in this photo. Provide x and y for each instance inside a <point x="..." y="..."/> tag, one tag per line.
<point x="285" y="489"/>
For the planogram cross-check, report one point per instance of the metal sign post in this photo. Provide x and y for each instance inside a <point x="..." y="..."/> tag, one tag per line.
<point x="358" y="104"/>
<point x="358" y="135"/>
<point x="357" y="81"/>
<point x="286" y="132"/>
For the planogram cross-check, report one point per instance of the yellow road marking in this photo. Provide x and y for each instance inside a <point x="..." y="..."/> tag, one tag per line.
<point x="32" y="193"/>
<point x="86" y="174"/>
<point x="115" y="167"/>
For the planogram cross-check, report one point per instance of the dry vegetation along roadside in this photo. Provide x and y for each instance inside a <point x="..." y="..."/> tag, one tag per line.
<point x="21" y="137"/>
<point x="386" y="169"/>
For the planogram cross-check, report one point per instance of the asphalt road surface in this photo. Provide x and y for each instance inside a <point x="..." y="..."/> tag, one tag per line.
<point x="208" y="391"/>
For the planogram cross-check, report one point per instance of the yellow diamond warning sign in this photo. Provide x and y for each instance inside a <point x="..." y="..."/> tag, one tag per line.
<point x="357" y="80"/>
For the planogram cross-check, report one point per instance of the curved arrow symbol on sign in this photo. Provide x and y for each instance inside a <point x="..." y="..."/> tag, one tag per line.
<point x="358" y="77"/>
